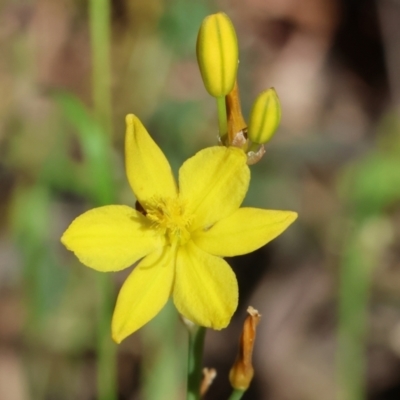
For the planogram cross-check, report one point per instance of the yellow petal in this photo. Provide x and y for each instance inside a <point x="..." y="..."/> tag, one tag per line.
<point x="111" y="238"/>
<point x="246" y="230"/>
<point x="205" y="289"/>
<point x="213" y="184"/>
<point x="147" y="168"/>
<point x="143" y="294"/>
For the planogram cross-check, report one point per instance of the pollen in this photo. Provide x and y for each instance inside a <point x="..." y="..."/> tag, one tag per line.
<point x="169" y="216"/>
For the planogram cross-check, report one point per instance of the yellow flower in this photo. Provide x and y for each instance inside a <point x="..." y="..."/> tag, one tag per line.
<point x="181" y="236"/>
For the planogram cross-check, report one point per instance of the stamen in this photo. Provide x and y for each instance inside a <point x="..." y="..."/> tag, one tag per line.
<point x="169" y="216"/>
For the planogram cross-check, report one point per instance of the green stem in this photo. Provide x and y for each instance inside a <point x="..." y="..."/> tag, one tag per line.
<point x="222" y="117"/>
<point x="355" y="283"/>
<point x="237" y="394"/>
<point x="106" y="349"/>
<point x="100" y="35"/>
<point x="195" y="355"/>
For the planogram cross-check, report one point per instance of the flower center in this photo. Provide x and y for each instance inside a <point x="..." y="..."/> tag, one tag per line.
<point x="168" y="215"/>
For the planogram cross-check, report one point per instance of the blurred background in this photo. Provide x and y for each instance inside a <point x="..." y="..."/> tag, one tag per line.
<point x="328" y="289"/>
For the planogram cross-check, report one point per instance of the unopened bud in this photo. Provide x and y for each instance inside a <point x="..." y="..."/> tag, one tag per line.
<point x="264" y="117"/>
<point x="217" y="54"/>
<point x="242" y="371"/>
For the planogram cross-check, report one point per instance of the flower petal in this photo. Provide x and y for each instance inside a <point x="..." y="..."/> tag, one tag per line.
<point x="246" y="230"/>
<point x="111" y="238"/>
<point x="213" y="184"/>
<point x="147" y="168"/>
<point x="205" y="289"/>
<point x="143" y="294"/>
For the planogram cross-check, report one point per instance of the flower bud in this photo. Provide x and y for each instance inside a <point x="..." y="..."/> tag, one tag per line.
<point x="264" y="117"/>
<point x="217" y="54"/>
<point x="242" y="371"/>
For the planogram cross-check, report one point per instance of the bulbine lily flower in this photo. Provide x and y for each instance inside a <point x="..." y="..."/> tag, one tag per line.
<point x="181" y="234"/>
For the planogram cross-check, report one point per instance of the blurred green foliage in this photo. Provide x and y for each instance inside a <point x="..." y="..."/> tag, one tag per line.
<point x="370" y="191"/>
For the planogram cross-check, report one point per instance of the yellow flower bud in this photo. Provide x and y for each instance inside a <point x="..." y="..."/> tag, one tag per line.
<point x="217" y="54"/>
<point x="264" y="117"/>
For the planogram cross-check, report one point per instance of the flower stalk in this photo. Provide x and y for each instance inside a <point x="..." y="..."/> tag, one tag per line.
<point x="237" y="394"/>
<point x="100" y="33"/>
<point x="222" y="118"/>
<point x="195" y="356"/>
<point x="237" y="128"/>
